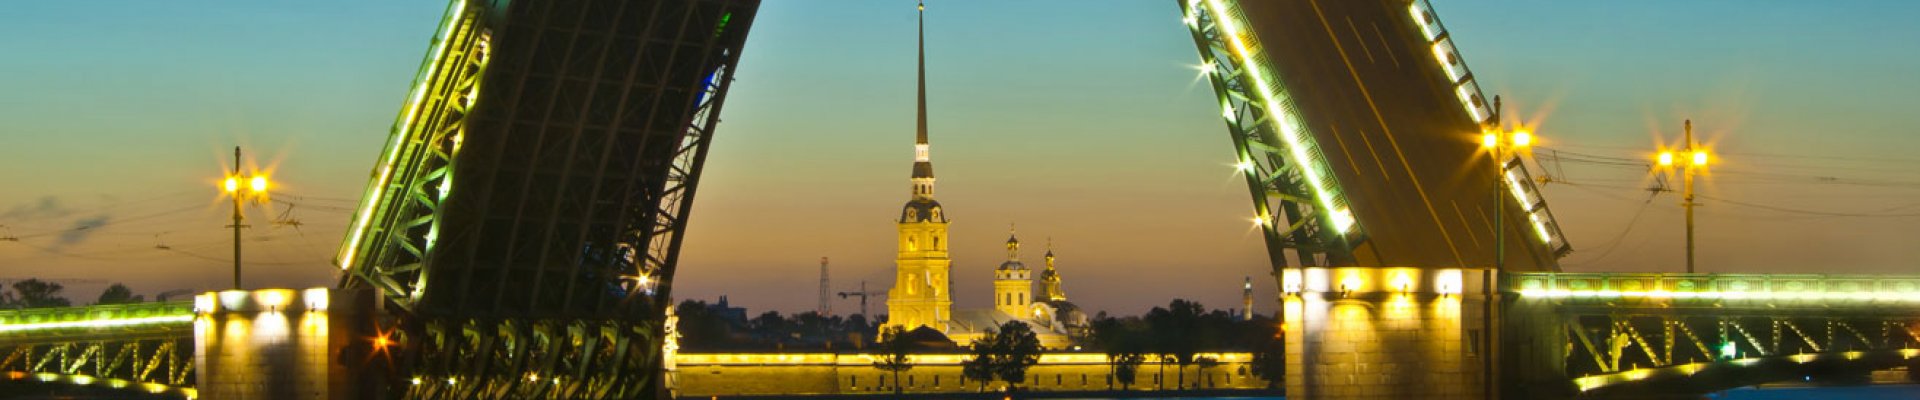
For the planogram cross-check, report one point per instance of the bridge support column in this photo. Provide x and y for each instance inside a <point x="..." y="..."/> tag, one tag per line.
<point x="1385" y="333"/>
<point x="280" y="343"/>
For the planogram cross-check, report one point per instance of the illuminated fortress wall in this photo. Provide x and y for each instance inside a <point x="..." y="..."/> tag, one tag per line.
<point x="826" y="373"/>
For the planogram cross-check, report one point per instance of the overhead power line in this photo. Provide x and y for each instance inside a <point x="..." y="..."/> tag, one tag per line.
<point x="1813" y="212"/>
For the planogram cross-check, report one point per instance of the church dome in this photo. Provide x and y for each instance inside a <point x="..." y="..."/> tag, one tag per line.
<point x="922" y="210"/>
<point x="1012" y="265"/>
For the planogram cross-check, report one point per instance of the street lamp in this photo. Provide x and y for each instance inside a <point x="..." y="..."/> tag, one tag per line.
<point x="255" y="187"/>
<point x="1502" y="144"/>
<point x="1696" y="161"/>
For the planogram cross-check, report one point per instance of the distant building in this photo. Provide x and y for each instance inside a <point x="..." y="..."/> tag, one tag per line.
<point x="734" y="316"/>
<point x="922" y="292"/>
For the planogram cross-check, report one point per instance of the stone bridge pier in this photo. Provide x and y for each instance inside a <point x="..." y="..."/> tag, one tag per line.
<point x="1388" y="333"/>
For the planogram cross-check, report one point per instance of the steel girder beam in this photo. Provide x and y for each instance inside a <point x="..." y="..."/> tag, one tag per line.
<point x="393" y="234"/>
<point x="160" y="360"/>
<point x="1296" y="201"/>
<point x="1632" y="352"/>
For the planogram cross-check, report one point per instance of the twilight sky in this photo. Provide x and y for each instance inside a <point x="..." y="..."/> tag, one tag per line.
<point x="1083" y="121"/>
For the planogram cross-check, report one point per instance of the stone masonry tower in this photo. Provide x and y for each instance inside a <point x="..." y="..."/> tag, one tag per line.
<point x="920" y="294"/>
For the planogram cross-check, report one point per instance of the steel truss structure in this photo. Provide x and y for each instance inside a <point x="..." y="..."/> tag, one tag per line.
<point x="145" y="346"/>
<point x="1632" y="333"/>
<point x="1296" y="202"/>
<point x="524" y="221"/>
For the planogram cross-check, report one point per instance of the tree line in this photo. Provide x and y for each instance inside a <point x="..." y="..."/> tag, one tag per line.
<point x="36" y="293"/>
<point x="1176" y="334"/>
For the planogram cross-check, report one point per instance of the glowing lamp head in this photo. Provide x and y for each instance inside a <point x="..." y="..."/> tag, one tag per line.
<point x="1522" y="139"/>
<point x="1699" y="159"/>
<point x="1489" y="140"/>
<point x="258" y="184"/>
<point x="1666" y="158"/>
<point x="233" y="184"/>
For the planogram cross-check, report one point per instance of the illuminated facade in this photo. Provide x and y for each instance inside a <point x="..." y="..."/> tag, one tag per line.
<point x="284" y="344"/>
<point x="1012" y="282"/>
<point x="921" y="294"/>
<point x="1050" y="279"/>
<point x="1054" y="322"/>
<point x="751" y="374"/>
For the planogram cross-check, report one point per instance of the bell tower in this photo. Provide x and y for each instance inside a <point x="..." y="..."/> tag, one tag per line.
<point x="1013" y="283"/>
<point x="921" y="291"/>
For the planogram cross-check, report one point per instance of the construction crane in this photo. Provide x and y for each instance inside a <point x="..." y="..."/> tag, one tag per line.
<point x="863" y="293"/>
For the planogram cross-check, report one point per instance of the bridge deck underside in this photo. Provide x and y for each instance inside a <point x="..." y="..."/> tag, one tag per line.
<point x="1394" y="132"/>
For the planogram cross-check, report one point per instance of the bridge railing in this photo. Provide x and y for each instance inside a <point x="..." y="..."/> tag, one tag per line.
<point x="1634" y="331"/>
<point x="144" y="346"/>
<point x="1681" y="289"/>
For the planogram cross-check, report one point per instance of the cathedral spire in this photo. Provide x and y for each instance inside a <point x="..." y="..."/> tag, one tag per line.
<point x="922" y="138"/>
<point x="922" y="162"/>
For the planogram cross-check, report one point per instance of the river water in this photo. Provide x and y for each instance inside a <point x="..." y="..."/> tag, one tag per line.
<point x="1876" y="392"/>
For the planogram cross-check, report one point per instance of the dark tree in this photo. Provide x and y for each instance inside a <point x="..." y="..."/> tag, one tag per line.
<point x="895" y="348"/>
<point x="119" y="294"/>
<point x="1177" y="334"/>
<point x="1016" y="348"/>
<point x="1124" y="341"/>
<point x="1270" y="362"/>
<point x="979" y="367"/>
<point x="1204" y="364"/>
<point x="1126" y="367"/>
<point x="36" y="293"/>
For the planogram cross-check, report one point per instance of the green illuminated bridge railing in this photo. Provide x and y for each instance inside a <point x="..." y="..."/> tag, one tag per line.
<point x="42" y="324"/>
<point x="1825" y="289"/>
<point x="145" y="346"/>
<point x="1634" y="333"/>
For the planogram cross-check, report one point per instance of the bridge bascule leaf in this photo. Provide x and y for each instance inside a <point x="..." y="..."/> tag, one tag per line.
<point x="1353" y="160"/>
<point x="523" y="222"/>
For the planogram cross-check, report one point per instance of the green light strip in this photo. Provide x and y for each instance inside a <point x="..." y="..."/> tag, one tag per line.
<point x="1285" y="122"/>
<point x="393" y="152"/>
<point x="1722" y="295"/>
<point x="99" y="323"/>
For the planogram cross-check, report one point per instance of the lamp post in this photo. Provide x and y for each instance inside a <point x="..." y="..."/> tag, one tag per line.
<point x="255" y="185"/>
<point x="1502" y="144"/>
<point x="1696" y="161"/>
